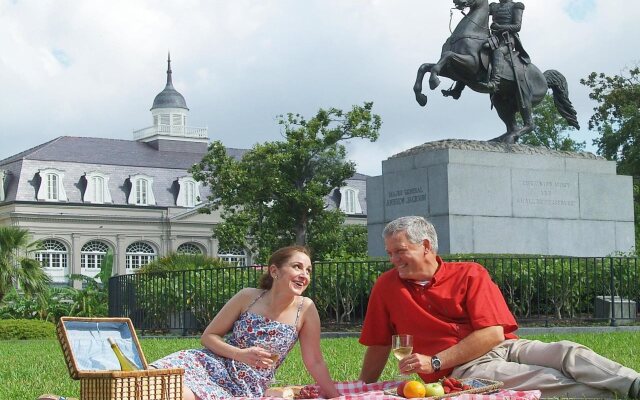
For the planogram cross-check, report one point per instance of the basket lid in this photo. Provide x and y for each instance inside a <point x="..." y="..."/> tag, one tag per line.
<point x="86" y="347"/>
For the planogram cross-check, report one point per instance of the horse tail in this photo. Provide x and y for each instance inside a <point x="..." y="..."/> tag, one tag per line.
<point x="560" y="89"/>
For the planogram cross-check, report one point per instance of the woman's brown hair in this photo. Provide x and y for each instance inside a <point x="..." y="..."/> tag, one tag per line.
<point x="279" y="258"/>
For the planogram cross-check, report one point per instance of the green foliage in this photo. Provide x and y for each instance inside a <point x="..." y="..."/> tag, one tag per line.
<point x="26" y="329"/>
<point x="341" y="290"/>
<point x="276" y="193"/>
<point x="331" y="239"/>
<point x="17" y="269"/>
<point x="180" y="262"/>
<point x="636" y="207"/>
<point x="185" y="289"/>
<point x="562" y="288"/>
<point x="550" y="129"/>
<point x="55" y="303"/>
<point x="617" y="117"/>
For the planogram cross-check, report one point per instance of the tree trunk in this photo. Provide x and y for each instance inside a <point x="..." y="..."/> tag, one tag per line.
<point x="301" y="231"/>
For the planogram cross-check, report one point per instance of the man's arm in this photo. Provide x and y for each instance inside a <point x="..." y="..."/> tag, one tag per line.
<point x="375" y="358"/>
<point x="476" y="344"/>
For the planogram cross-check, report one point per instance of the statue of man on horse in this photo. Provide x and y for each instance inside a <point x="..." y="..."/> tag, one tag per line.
<point x="492" y="60"/>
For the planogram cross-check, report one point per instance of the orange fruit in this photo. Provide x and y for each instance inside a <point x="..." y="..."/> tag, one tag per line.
<point x="414" y="389"/>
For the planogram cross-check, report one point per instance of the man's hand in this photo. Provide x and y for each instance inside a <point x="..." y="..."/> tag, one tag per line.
<point x="416" y="363"/>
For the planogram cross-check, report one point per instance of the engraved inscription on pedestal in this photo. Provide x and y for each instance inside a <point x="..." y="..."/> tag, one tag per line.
<point x="545" y="194"/>
<point x="405" y="194"/>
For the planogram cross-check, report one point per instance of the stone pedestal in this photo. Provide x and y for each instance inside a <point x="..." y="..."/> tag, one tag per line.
<point x="496" y="198"/>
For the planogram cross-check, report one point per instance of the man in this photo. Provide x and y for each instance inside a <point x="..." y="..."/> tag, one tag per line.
<point x="507" y="21"/>
<point x="462" y="327"/>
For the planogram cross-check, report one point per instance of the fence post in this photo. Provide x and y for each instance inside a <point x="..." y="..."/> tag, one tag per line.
<point x="612" y="288"/>
<point x="184" y="303"/>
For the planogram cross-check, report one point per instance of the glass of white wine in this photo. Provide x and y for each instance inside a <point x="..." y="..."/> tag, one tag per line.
<point x="402" y="346"/>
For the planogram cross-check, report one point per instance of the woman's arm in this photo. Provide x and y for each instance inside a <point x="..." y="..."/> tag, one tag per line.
<point x="222" y="323"/>
<point x="309" y="337"/>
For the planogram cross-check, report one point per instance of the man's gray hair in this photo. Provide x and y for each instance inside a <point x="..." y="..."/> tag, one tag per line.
<point x="417" y="229"/>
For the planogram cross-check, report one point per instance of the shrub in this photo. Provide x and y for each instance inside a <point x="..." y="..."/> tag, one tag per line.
<point x="26" y="329"/>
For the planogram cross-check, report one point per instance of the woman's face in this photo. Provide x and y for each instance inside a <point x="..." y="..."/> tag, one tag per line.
<point x="295" y="274"/>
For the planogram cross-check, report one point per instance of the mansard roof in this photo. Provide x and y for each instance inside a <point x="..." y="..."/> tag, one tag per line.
<point x="110" y="152"/>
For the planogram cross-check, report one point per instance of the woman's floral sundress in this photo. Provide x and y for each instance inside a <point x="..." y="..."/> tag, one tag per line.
<point x="213" y="377"/>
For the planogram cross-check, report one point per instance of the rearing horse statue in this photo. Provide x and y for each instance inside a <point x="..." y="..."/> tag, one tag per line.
<point x="465" y="59"/>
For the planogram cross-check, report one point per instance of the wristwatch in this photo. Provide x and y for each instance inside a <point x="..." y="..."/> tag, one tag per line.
<point x="436" y="363"/>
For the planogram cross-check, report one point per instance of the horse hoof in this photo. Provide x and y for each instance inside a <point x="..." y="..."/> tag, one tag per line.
<point x="421" y="99"/>
<point x="504" y="138"/>
<point x="434" y="82"/>
<point x="453" y="93"/>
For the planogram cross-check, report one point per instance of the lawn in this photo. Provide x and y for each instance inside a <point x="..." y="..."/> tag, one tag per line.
<point x="29" y="368"/>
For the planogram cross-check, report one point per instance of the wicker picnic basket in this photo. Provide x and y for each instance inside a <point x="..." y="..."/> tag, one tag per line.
<point x="111" y="384"/>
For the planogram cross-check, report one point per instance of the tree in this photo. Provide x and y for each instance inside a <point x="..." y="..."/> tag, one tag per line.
<point x="332" y="239"/>
<point x="550" y="129"/>
<point x="636" y="208"/>
<point x="16" y="268"/>
<point x="276" y="193"/>
<point x="617" y="117"/>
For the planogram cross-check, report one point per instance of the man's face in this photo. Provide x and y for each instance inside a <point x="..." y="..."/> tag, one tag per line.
<point x="409" y="258"/>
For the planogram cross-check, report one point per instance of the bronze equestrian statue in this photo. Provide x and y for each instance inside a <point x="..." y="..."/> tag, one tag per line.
<point x="492" y="60"/>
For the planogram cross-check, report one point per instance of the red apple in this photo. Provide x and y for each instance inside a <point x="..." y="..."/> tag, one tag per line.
<point x="400" y="388"/>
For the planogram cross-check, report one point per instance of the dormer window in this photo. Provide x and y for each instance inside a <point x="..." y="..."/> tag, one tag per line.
<point x="3" y="175"/>
<point x="350" y="204"/>
<point x="141" y="193"/>
<point x="97" y="190"/>
<point x="51" y="187"/>
<point x="189" y="194"/>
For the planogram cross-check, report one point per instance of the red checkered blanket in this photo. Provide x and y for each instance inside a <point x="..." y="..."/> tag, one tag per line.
<point x="358" y="390"/>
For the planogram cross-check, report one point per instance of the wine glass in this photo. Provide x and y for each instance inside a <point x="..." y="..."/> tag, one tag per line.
<point x="402" y="346"/>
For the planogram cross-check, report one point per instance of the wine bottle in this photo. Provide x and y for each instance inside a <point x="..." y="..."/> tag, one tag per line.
<point x="125" y="363"/>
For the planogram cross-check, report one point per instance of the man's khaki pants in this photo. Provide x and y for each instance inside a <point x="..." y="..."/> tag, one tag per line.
<point x="556" y="369"/>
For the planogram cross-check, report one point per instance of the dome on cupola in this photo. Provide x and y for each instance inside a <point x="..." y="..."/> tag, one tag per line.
<point x="169" y="97"/>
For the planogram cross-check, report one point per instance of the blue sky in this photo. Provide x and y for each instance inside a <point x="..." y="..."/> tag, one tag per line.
<point x="92" y="68"/>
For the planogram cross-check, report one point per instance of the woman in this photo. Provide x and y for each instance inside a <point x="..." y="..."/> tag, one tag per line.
<point x="264" y="324"/>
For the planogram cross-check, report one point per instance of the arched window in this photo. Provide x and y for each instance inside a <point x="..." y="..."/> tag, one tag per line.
<point x="349" y="203"/>
<point x="189" y="248"/>
<point x="139" y="254"/>
<point x="92" y="254"/>
<point x="97" y="190"/>
<point x="141" y="190"/>
<point x="54" y="259"/>
<point x="3" y="175"/>
<point x="235" y="256"/>
<point x="51" y="187"/>
<point x="189" y="193"/>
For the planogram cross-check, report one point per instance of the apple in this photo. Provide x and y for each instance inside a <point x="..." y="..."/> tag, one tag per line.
<point x="434" y="389"/>
<point x="400" y="388"/>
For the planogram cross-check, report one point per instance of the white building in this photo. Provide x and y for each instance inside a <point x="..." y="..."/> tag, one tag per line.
<point x="82" y="196"/>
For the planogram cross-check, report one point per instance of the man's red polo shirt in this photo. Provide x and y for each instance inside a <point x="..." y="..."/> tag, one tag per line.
<point x="460" y="298"/>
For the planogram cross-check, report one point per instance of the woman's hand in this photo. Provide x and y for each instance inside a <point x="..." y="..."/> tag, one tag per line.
<point x="256" y="357"/>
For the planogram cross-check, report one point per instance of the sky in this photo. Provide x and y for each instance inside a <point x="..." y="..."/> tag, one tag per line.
<point x="92" y="68"/>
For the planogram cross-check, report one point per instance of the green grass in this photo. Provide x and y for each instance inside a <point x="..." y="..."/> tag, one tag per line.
<point x="29" y="368"/>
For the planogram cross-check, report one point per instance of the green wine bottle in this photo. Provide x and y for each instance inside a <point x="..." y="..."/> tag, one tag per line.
<point x="125" y="363"/>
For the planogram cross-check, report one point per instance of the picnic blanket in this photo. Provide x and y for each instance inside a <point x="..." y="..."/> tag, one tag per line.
<point x="358" y="390"/>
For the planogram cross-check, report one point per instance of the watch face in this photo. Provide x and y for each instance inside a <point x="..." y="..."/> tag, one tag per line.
<point x="435" y="363"/>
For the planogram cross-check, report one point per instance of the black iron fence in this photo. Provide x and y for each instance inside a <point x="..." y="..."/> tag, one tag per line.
<point x="539" y="291"/>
